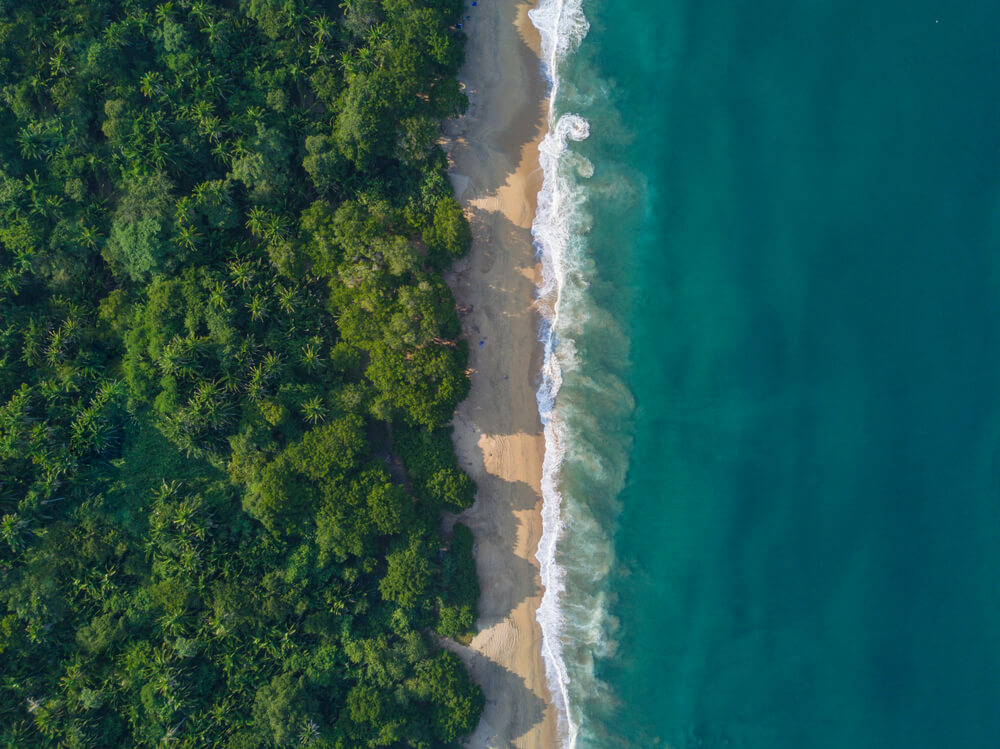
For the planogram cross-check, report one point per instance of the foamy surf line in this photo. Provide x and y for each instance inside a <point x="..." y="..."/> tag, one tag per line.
<point x="562" y="26"/>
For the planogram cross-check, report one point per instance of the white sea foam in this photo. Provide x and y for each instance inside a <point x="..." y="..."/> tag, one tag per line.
<point x="562" y="26"/>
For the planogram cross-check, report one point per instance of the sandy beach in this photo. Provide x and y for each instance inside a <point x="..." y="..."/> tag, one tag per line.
<point x="498" y="435"/>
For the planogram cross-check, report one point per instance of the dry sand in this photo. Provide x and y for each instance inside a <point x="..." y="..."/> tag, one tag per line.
<point x="498" y="436"/>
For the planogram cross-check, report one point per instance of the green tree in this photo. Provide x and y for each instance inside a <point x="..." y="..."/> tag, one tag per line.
<point x="448" y="235"/>
<point x="282" y="710"/>
<point x="364" y="128"/>
<point x="423" y="385"/>
<point x="408" y="574"/>
<point x="138" y="244"/>
<point x="454" y="701"/>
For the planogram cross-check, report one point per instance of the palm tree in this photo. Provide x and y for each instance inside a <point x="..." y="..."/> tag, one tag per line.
<point x="255" y="386"/>
<point x="322" y="28"/>
<point x="175" y="623"/>
<point x="199" y="10"/>
<point x="47" y="717"/>
<point x="208" y="402"/>
<point x="89" y="236"/>
<point x="56" y="350"/>
<point x="217" y="297"/>
<point x="274" y="228"/>
<point x="224" y="152"/>
<point x="348" y="64"/>
<point x="255" y="221"/>
<point x="257" y="307"/>
<point x="271" y="363"/>
<point x="230" y="381"/>
<point x="215" y="85"/>
<point x="211" y="29"/>
<point x="376" y="35"/>
<point x="14" y="530"/>
<point x="10" y="281"/>
<point x="163" y="11"/>
<point x="297" y="21"/>
<point x="175" y="356"/>
<point x="286" y="299"/>
<point x="57" y="61"/>
<point x="317" y="53"/>
<point x="366" y="58"/>
<point x="162" y="152"/>
<point x="29" y="143"/>
<point x="211" y="128"/>
<point x="314" y="410"/>
<point x="310" y="357"/>
<point x="52" y="203"/>
<point x="91" y="432"/>
<point x="201" y="110"/>
<point x="187" y="237"/>
<point x="241" y="271"/>
<point x="150" y="84"/>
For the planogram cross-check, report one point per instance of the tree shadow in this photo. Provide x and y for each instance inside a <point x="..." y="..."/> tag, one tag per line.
<point x="510" y="704"/>
<point x="506" y="579"/>
<point x="499" y="127"/>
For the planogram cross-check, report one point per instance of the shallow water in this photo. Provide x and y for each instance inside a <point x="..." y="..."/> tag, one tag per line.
<point x="775" y="343"/>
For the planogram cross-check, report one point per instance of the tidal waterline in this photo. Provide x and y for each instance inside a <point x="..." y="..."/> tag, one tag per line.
<point x="794" y="223"/>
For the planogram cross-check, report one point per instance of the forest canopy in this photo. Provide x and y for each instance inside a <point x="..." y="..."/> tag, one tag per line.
<point x="228" y="362"/>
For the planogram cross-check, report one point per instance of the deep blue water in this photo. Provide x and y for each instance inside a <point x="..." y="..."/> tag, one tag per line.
<point x="794" y="222"/>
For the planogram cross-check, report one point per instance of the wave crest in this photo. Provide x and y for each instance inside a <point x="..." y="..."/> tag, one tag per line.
<point x="562" y="27"/>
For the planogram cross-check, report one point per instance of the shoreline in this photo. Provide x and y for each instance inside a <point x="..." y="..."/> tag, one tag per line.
<point x="494" y="159"/>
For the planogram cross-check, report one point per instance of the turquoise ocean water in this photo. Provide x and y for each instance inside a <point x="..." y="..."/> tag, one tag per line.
<point x="771" y="241"/>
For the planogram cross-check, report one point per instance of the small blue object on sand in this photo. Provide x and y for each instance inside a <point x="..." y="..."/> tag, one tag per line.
<point x="482" y="343"/>
<point x="474" y="4"/>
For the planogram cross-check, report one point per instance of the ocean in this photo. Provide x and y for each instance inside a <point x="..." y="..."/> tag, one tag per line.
<point x="770" y="237"/>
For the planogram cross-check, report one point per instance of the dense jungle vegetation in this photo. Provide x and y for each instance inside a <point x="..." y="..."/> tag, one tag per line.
<point x="227" y="364"/>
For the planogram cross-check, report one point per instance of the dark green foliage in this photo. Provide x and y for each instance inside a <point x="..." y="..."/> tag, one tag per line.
<point x="408" y="574"/>
<point x="433" y="468"/>
<point x="448" y="235"/>
<point x="423" y="385"/>
<point x="457" y="603"/>
<point x="139" y="241"/>
<point x="455" y="704"/>
<point x="283" y="709"/>
<point x="221" y="319"/>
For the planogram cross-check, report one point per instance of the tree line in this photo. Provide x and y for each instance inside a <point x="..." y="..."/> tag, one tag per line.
<point x="228" y="362"/>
